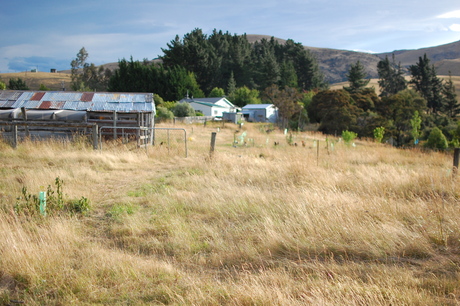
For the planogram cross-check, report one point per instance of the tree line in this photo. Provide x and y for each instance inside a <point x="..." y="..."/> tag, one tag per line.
<point x="423" y="108"/>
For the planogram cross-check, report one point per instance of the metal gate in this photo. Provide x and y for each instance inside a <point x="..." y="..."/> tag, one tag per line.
<point x="144" y="136"/>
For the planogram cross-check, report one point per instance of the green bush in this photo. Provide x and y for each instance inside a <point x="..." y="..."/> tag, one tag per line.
<point x="183" y="110"/>
<point x="436" y="140"/>
<point x="379" y="132"/>
<point x="348" y="136"/>
<point x="164" y="113"/>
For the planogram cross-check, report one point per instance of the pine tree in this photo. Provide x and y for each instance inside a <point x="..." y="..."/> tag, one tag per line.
<point x="391" y="77"/>
<point x="450" y="106"/>
<point x="427" y="83"/>
<point x="356" y="78"/>
<point x="288" y="76"/>
<point x="231" y="85"/>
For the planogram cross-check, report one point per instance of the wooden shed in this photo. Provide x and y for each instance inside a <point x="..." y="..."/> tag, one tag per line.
<point x="63" y="112"/>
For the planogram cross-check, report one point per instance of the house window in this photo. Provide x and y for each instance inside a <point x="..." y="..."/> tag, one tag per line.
<point x="215" y="112"/>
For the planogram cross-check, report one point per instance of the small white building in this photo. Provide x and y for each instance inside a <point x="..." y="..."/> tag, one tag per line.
<point x="260" y="113"/>
<point x="214" y="107"/>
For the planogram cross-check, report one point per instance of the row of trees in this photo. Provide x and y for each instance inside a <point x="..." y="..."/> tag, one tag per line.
<point x="14" y="84"/>
<point x="406" y="110"/>
<point x="222" y="59"/>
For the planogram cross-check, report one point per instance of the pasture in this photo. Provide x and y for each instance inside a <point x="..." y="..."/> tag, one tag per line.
<point x="250" y="224"/>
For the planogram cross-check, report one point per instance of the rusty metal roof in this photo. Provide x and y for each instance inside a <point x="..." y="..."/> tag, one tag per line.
<point x="84" y="101"/>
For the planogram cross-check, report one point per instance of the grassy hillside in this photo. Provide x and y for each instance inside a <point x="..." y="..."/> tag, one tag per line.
<point x="33" y="80"/>
<point x="439" y="55"/>
<point x="254" y="224"/>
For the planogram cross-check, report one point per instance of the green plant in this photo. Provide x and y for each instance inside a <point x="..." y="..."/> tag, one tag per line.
<point x="55" y="199"/>
<point x="436" y="140"/>
<point x="379" y="132"/>
<point x="290" y="139"/>
<point x="164" y="113"/>
<point x="29" y="204"/>
<point x="80" y="206"/>
<point x="416" y="123"/>
<point x="348" y="136"/>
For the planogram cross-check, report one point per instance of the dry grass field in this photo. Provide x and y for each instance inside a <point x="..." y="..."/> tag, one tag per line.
<point x="251" y="224"/>
<point x="53" y="81"/>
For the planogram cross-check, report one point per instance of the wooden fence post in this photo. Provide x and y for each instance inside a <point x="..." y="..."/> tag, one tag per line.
<point x="24" y="116"/>
<point x="456" y="160"/>
<point x="115" y="124"/>
<point x="15" y="136"/>
<point x="213" y="142"/>
<point x="317" y="153"/>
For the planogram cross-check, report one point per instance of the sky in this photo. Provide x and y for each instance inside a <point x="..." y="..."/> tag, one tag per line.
<point x="48" y="34"/>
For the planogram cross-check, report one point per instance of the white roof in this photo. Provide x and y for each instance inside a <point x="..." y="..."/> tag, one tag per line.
<point x="257" y="106"/>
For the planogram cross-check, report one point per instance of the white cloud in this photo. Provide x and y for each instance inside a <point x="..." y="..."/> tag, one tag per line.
<point x="455" y="27"/>
<point x="452" y="14"/>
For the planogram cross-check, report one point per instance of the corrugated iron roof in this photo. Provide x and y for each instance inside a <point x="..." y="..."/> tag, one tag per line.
<point x="9" y="95"/>
<point x="37" y="96"/>
<point x="85" y="101"/>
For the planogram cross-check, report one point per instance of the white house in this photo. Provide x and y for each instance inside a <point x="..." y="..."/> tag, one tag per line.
<point x="211" y="106"/>
<point x="260" y="113"/>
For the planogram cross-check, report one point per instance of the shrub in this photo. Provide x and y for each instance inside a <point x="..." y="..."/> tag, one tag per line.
<point x="183" y="110"/>
<point x="436" y="140"/>
<point x="348" y="136"/>
<point x="164" y="113"/>
<point x="379" y="132"/>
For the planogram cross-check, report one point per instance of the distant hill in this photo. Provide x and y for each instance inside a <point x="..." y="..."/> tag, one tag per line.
<point x="333" y="63"/>
<point x="444" y="57"/>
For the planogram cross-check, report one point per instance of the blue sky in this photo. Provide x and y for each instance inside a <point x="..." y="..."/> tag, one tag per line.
<point x="48" y="34"/>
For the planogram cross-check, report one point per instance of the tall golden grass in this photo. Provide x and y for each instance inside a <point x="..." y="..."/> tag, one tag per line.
<point x="251" y="224"/>
<point x="33" y="80"/>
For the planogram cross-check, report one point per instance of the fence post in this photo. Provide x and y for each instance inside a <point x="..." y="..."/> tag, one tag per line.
<point x="317" y="153"/>
<point x="24" y="116"/>
<point x="213" y="142"/>
<point x="456" y="160"/>
<point x="15" y="136"/>
<point x="95" y="137"/>
<point x="115" y="124"/>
